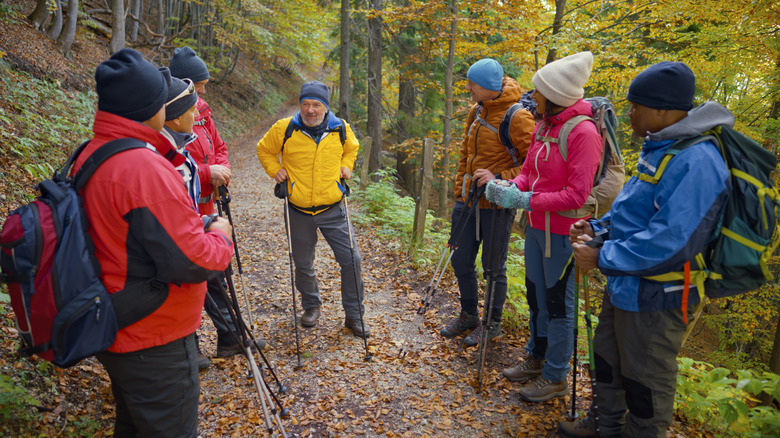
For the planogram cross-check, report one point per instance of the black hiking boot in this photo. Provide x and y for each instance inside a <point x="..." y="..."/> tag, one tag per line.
<point x="463" y="322"/>
<point x="203" y="361"/>
<point x="494" y="331"/>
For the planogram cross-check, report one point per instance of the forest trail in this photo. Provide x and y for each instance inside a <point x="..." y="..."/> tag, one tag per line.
<point x="336" y="393"/>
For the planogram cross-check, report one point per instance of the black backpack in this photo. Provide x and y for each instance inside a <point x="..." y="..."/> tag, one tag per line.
<point x="63" y="312"/>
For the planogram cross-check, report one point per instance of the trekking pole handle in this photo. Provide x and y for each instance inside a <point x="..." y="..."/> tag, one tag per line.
<point x="345" y="188"/>
<point x="280" y="190"/>
<point x="224" y="195"/>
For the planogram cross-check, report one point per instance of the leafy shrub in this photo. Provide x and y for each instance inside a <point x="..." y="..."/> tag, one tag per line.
<point x="724" y="402"/>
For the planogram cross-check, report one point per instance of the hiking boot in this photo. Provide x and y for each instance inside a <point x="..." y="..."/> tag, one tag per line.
<point x="529" y="368"/>
<point x="310" y="317"/>
<point x="494" y="331"/>
<point x="540" y="389"/>
<point x="203" y="361"/>
<point x="358" y="329"/>
<point x="583" y="427"/>
<point x="234" y="349"/>
<point x="464" y="321"/>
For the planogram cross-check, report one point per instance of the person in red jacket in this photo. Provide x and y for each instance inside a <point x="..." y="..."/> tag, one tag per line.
<point x="211" y="155"/>
<point x="147" y="235"/>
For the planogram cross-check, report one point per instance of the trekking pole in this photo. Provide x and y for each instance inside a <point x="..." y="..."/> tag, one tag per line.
<point x="591" y="356"/>
<point x="490" y="275"/>
<point x="281" y="192"/>
<point x="577" y="274"/>
<point x="224" y="202"/>
<point x="346" y="190"/>
<point x="267" y="397"/>
<point x="433" y="285"/>
<point x="242" y="333"/>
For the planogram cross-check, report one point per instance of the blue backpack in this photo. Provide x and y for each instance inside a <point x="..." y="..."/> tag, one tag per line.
<point x="63" y="312"/>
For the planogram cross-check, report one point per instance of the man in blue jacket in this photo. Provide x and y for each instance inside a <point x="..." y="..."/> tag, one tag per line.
<point x="652" y="229"/>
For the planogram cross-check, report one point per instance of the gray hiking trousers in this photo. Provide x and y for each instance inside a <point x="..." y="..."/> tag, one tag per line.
<point x="332" y="223"/>
<point x="636" y="370"/>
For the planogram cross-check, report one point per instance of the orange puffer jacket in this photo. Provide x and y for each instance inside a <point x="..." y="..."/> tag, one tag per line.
<point x="482" y="149"/>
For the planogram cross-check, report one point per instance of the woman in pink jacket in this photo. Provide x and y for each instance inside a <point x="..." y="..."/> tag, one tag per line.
<point x="550" y="185"/>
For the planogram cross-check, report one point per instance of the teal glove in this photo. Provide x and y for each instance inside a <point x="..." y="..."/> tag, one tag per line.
<point x="506" y="194"/>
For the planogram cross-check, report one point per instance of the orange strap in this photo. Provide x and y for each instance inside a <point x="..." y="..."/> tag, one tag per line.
<point x="686" y="290"/>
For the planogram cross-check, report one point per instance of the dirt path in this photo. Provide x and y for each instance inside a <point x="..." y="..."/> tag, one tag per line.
<point x="337" y="393"/>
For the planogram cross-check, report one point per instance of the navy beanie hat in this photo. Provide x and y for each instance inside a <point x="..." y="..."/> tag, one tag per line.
<point x="179" y="100"/>
<point x="666" y="85"/>
<point x="315" y="90"/>
<point x="130" y="86"/>
<point x="185" y="64"/>
<point x="487" y="73"/>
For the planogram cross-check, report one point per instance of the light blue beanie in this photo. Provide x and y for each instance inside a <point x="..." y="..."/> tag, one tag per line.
<point x="487" y="73"/>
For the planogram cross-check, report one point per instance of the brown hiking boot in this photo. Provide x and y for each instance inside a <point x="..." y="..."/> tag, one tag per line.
<point x="358" y="329"/>
<point x="540" y="389"/>
<point x="464" y="321"/>
<point x="310" y="317"/>
<point x="583" y="427"/>
<point x="527" y="369"/>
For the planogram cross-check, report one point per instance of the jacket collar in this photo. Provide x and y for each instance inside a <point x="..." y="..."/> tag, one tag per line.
<point x="108" y="126"/>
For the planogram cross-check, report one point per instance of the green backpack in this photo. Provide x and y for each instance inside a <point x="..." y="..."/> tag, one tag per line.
<point x="736" y="259"/>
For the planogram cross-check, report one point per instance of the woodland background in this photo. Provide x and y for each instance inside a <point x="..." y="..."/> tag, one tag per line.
<point x="397" y="70"/>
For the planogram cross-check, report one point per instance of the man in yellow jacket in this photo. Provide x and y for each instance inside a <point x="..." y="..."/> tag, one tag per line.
<point x="311" y="152"/>
<point x="483" y="157"/>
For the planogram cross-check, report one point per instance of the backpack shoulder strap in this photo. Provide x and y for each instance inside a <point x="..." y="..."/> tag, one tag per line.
<point x="99" y="156"/>
<point x="676" y="148"/>
<point x="291" y="127"/>
<point x="566" y="129"/>
<point x="504" y="131"/>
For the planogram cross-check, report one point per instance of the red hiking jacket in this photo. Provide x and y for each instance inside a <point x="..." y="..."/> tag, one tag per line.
<point x="208" y="149"/>
<point x="144" y="226"/>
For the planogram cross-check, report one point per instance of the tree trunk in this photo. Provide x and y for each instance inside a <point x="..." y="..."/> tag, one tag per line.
<point x="161" y="14"/>
<point x="447" y="134"/>
<point x="407" y="99"/>
<point x="69" y="31"/>
<point x="344" y="63"/>
<point x="117" y="25"/>
<point x="55" y="27"/>
<point x="40" y="14"/>
<point x="375" y="84"/>
<point x="560" y="7"/>
<point x="135" y="9"/>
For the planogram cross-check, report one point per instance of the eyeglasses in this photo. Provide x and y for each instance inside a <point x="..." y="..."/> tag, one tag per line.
<point x="189" y="91"/>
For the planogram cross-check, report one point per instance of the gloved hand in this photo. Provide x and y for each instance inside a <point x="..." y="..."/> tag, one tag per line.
<point x="506" y="194"/>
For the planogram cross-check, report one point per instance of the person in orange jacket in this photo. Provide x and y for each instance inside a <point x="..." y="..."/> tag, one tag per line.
<point x="483" y="157"/>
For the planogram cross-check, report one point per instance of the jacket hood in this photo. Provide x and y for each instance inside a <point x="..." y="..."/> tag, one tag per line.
<point x="580" y="108"/>
<point x="510" y="93"/>
<point x="108" y="126"/>
<point x="204" y="110"/>
<point x="700" y="119"/>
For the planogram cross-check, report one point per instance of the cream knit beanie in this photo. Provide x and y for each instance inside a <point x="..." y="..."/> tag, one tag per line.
<point x="561" y="81"/>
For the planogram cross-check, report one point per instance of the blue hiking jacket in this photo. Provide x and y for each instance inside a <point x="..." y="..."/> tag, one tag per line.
<point x="654" y="229"/>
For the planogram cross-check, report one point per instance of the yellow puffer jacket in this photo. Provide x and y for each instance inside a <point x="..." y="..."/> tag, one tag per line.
<point x="313" y="170"/>
<point x="481" y="147"/>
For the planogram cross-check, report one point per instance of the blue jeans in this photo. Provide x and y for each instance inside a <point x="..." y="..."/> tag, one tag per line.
<point x="550" y="293"/>
<point x="465" y="256"/>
